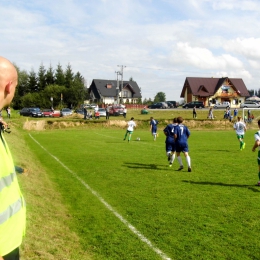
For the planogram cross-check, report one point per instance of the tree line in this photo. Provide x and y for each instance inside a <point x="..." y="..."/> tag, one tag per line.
<point x="50" y="87"/>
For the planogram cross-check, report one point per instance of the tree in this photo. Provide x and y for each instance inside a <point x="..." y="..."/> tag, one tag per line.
<point x="160" y="97"/>
<point x="251" y="92"/>
<point x="50" y="76"/>
<point x="32" y="82"/>
<point x="59" y="76"/>
<point x="41" y="84"/>
<point x="68" y="76"/>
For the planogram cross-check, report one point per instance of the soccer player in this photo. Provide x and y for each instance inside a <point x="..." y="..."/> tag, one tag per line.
<point x="153" y="127"/>
<point x="240" y="128"/>
<point x="130" y="129"/>
<point x="169" y="142"/>
<point x="257" y="144"/>
<point x="181" y="135"/>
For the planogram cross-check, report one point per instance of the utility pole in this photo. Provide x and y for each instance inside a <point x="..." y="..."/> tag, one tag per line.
<point x="122" y="76"/>
<point x="117" y="86"/>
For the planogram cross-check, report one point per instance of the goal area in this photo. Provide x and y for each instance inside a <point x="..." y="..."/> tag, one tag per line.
<point x="254" y="114"/>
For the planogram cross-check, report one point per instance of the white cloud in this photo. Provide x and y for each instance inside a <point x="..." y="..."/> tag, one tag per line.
<point x="161" y="42"/>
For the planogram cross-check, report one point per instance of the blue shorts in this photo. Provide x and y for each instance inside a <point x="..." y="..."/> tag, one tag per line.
<point x="182" y="147"/>
<point x="154" y="130"/>
<point x="170" y="146"/>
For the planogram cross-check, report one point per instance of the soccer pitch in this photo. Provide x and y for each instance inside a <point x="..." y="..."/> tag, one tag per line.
<point x="126" y="203"/>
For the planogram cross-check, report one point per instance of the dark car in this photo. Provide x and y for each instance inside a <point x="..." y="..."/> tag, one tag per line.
<point x="172" y="104"/>
<point x="197" y="104"/>
<point x="31" y="111"/>
<point x="116" y="110"/>
<point x="158" y="105"/>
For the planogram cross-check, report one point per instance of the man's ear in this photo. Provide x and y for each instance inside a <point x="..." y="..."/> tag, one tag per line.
<point x="8" y="87"/>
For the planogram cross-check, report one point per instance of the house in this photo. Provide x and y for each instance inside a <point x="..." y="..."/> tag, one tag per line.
<point x="113" y="92"/>
<point x="214" y="90"/>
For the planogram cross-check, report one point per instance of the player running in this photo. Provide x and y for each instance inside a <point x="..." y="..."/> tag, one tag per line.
<point x="153" y="127"/>
<point x="169" y="142"/>
<point x="240" y="128"/>
<point x="130" y="129"/>
<point x="257" y="144"/>
<point x="181" y="135"/>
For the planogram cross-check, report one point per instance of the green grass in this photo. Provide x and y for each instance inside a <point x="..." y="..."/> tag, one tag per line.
<point x="210" y="213"/>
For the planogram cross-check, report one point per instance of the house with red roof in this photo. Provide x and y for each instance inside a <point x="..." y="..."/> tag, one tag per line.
<point x="215" y="90"/>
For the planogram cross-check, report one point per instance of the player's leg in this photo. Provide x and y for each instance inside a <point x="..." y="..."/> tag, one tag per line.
<point x="178" y="153"/>
<point x="126" y="134"/>
<point x="240" y="142"/>
<point x="258" y="161"/>
<point x="169" y="153"/>
<point x="188" y="160"/>
<point x="130" y="135"/>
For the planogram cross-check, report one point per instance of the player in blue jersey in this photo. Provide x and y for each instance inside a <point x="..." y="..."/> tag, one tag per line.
<point x="130" y="129"/>
<point x="169" y="142"/>
<point x="153" y="127"/>
<point x="181" y="135"/>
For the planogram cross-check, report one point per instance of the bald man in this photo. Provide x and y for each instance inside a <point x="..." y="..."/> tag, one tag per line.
<point x="12" y="205"/>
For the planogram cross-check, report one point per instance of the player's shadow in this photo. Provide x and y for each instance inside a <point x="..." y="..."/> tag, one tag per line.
<point x="150" y="166"/>
<point x="250" y="187"/>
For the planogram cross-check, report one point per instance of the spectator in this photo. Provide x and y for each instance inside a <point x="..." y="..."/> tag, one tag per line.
<point x="194" y="112"/>
<point x="12" y="215"/>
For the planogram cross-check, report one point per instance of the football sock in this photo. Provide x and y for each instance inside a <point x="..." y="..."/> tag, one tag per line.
<point x="188" y="160"/>
<point x="172" y="158"/>
<point x="241" y="144"/>
<point x="180" y="160"/>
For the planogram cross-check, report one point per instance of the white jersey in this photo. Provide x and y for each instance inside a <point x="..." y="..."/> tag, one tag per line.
<point x="240" y="127"/>
<point x="257" y="137"/>
<point x="131" y="124"/>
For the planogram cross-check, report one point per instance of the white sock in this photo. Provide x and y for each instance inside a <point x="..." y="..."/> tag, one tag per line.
<point x="172" y="158"/>
<point x="188" y="160"/>
<point x="180" y="160"/>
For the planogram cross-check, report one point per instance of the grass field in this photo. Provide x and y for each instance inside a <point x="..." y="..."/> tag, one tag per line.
<point x="90" y="195"/>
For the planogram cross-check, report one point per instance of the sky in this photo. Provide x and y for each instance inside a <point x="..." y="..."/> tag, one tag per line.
<point x="158" y="42"/>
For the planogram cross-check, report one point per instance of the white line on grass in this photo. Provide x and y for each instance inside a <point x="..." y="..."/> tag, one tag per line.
<point x="108" y="206"/>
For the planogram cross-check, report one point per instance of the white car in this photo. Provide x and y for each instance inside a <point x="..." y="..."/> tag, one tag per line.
<point x="250" y="104"/>
<point x="66" y="112"/>
<point x="221" y="105"/>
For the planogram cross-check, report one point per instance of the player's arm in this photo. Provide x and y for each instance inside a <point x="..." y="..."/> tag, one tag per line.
<point x="257" y="143"/>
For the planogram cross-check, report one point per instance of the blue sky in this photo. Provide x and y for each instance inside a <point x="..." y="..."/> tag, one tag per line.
<point x="161" y="42"/>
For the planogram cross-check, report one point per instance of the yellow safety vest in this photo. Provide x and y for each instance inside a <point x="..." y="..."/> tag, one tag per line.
<point x="12" y="204"/>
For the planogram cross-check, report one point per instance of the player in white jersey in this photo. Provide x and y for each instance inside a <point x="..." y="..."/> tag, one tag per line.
<point x="240" y="128"/>
<point x="130" y="129"/>
<point x="257" y="144"/>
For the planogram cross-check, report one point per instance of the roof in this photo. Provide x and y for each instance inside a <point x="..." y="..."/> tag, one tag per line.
<point x="99" y="88"/>
<point x="206" y="87"/>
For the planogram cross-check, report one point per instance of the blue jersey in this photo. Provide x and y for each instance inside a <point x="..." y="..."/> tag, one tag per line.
<point x="182" y="133"/>
<point x="169" y="132"/>
<point x="154" y="124"/>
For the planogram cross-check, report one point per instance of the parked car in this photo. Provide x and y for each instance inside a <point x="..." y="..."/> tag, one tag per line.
<point x="56" y="113"/>
<point x="66" y="112"/>
<point x="102" y="112"/>
<point x="250" y="104"/>
<point x="79" y="111"/>
<point x="173" y="104"/>
<point x="31" y="111"/>
<point x="116" y="110"/>
<point x="221" y="105"/>
<point x="47" y="112"/>
<point x="192" y="104"/>
<point x="158" y="105"/>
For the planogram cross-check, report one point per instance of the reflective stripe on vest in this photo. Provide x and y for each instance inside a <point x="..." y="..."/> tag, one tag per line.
<point x="11" y="210"/>
<point x="7" y="180"/>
